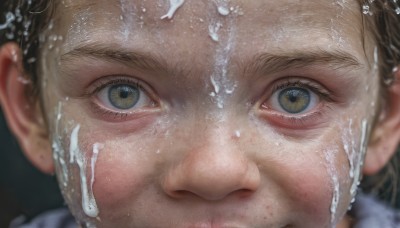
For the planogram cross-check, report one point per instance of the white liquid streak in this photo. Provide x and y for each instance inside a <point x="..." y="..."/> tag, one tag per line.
<point x="88" y="201"/>
<point x="330" y="157"/>
<point x="58" y="150"/>
<point x="73" y="145"/>
<point x="360" y="158"/>
<point x="173" y="7"/>
<point x="96" y="149"/>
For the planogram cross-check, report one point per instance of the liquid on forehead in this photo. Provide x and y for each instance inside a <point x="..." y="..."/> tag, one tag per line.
<point x="127" y="15"/>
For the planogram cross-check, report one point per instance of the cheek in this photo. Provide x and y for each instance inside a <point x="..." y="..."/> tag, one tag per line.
<point x="126" y="169"/>
<point x="310" y="187"/>
<point x="120" y="180"/>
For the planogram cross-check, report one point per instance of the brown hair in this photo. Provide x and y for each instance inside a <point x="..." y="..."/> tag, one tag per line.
<point x="381" y="18"/>
<point x="25" y="20"/>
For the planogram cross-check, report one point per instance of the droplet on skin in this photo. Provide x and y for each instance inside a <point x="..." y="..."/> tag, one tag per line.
<point x="237" y="133"/>
<point x="223" y="11"/>
<point x="174" y="5"/>
<point x="213" y="32"/>
<point x="215" y="85"/>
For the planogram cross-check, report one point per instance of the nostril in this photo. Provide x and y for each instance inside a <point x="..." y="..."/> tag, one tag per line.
<point x="243" y="193"/>
<point x="179" y="194"/>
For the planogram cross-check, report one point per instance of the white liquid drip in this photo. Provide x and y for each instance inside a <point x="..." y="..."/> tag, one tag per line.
<point x="173" y="7"/>
<point x="58" y="150"/>
<point x="330" y="157"/>
<point x="213" y="31"/>
<point x="219" y="79"/>
<point x="128" y="17"/>
<point x="88" y="201"/>
<point x="349" y="148"/>
<point x="360" y="158"/>
<point x="215" y="85"/>
<point x="223" y="11"/>
<point x="335" y="197"/>
<point x="96" y="149"/>
<point x="73" y="145"/>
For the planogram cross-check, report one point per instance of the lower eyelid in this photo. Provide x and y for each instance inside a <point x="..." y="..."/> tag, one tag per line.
<point x="309" y="120"/>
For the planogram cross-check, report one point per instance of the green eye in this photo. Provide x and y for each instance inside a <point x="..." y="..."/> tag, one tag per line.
<point x="123" y="96"/>
<point x="294" y="100"/>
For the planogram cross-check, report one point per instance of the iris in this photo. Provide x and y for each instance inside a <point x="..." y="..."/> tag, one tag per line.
<point x="124" y="96"/>
<point x="294" y="100"/>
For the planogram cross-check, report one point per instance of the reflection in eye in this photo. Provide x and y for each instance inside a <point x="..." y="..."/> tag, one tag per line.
<point x="294" y="100"/>
<point x="123" y="96"/>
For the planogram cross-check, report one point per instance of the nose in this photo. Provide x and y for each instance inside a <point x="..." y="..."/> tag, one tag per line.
<point x="212" y="172"/>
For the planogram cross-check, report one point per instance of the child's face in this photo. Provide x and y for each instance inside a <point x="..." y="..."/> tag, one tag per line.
<point x="231" y="114"/>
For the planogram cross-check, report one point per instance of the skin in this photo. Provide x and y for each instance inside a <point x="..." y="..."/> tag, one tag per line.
<point x="181" y="160"/>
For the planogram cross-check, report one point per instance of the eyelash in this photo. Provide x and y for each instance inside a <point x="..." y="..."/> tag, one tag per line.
<point x="306" y="84"/>
<point x="303" y="120"/>
<point x="103" y="83"/>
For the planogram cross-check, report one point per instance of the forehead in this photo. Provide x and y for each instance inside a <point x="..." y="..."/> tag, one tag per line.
<point x="254" y="24"/>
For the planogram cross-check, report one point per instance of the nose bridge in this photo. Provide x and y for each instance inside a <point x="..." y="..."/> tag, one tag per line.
<point x="212" y="169"/>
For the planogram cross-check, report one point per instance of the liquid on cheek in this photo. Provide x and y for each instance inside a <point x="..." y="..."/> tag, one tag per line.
<point x="360" y="157"/>
<point x="330" y="158"/>
<point x="58" y="150"/>
<point x="77" y="156"/>
<point x="355" y="151"/>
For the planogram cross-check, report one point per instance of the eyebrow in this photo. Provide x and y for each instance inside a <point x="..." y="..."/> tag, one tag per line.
<point x="265" y="63"/>
<point x="136" y="59"/>
<point x="271" y="63"/>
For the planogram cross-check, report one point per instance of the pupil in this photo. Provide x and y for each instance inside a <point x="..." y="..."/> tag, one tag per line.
<point x="294" y="100"/>
<point x="124" y="92"/>
<point x="293" y="95"/>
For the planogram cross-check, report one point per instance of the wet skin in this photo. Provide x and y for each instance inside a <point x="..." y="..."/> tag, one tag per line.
<point x="208" y="143"/>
